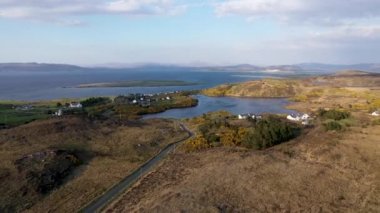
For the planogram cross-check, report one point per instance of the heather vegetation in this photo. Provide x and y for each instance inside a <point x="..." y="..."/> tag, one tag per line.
<point x="335" y="120"/>
<point x="333" y="114"/>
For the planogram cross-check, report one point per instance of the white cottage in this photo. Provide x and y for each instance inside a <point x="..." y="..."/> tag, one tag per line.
<point x="294" y="118"/>
<point x="304" y="119"/>
<point x="75" y="105"/>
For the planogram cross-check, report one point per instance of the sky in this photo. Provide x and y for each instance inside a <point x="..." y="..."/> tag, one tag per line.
<point x="190" y="32"/>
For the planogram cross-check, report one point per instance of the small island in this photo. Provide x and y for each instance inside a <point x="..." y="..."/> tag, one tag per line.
<point x="141" y="83"/>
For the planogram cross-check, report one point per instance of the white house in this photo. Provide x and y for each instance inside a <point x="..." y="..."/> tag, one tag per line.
<point x="305" y="118"/>
<point x="376" y="113"/>
<point x="246" y="116"/>
<point x="293" y="117"/>
<point x="75" y="105"/>
<point x="242" y="117"/>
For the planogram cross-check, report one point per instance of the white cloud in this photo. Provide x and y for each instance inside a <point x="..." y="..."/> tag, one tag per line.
<point x="59" y="10"/>
<point x="345" y="44"/>
<point x="302" y="11"/>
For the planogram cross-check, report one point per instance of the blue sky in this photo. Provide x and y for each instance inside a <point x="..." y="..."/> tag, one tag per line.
<point x="263" y="32"/>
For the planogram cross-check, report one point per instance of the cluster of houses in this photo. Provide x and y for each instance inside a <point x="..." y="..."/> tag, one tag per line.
<point x="144" y="100"/>
<point x="75" y="105"/>
<point x="304" y="119"/>
<point x="248" y="116"/>
<point x="24" y="107"/>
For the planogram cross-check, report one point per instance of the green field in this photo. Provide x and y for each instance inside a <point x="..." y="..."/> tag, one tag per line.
<point x="11" y="116"/>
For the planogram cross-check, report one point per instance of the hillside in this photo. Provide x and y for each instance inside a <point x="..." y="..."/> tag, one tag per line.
<point x="355" y="90"/>
<point x="258" y="89"/>
<point x="62" y="164"/>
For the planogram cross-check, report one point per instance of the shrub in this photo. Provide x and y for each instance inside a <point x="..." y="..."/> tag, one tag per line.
<point x="333" y="114"/>
<point x="228" y="137"/>
<point x="197" y="143"/>
<point x="212" y="138"/>
<point x="333" y="126"/>
<point x="95" y="101"/>
<point x="271" y="131"/>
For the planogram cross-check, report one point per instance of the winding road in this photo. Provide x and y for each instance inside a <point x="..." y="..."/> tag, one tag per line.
<point x="99" y="203"/>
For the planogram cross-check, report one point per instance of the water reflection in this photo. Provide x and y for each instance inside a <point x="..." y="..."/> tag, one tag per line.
<point x="233" y="105"/>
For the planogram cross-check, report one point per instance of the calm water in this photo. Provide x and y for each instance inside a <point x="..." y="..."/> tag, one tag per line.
<point x="56" y="85"/>
<point x="233" y="105"/>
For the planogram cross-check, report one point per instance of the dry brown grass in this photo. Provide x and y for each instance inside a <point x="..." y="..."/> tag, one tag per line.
<point x="318" y="172"/>
<point x="114" y="151"/>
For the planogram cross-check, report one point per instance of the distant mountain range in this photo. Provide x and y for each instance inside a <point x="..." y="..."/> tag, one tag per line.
<point x="305" y="67"/>
<point x="38" y="67"/>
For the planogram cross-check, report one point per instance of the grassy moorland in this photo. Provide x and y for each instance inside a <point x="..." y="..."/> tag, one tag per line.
<point x="327" y="167"/>
<point x="61" y="164"/>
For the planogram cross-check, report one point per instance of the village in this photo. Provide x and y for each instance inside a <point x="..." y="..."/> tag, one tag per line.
<point x="304" y="119"/>
<point x="141" y="100"/>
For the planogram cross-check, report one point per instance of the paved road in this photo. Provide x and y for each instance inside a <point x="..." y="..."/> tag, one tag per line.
<point x="98" y="204"/>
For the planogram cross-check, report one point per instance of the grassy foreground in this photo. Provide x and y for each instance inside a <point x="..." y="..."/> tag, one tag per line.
<point x="62" y="164"/>
<point x="323" y="169"/>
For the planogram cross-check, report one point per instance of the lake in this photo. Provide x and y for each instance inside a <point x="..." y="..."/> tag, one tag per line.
<point x="59" y="84"/>
<point x="233" y="105"/>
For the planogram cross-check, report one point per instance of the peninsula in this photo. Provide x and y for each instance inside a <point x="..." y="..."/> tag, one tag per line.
<point x="141" y="83"/>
